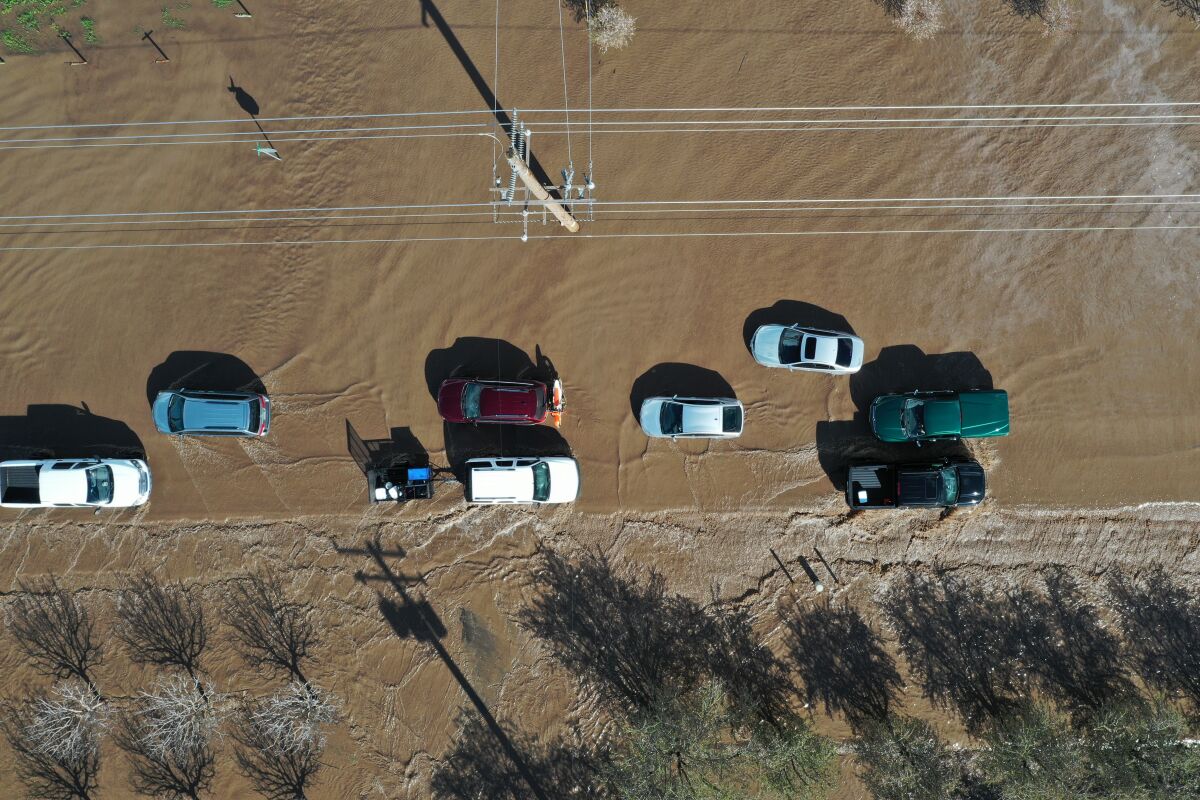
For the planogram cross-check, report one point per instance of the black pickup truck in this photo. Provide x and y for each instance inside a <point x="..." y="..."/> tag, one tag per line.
<point x="944" y="483"/>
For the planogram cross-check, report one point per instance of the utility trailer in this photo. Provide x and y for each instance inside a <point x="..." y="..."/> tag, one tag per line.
<point x="399" y="482"/>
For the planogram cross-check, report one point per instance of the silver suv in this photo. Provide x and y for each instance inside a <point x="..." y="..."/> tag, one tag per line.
<point x="194" y="412"/>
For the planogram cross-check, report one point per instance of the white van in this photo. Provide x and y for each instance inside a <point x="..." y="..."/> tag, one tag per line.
<point x="527" y="479"/>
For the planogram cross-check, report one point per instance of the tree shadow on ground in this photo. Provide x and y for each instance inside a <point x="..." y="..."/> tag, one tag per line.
<point x="198" y="369"/>
<point x="62" y="431"/>
<point x="1073" y="658"/>
<point x="842" y="663"/>
<point x="478" y="357"/>
<point x="793" y="312"/>
<point x="630" y="641"/>
<point x="685" y="380"/>
<point x="1160" y="620"/>
<point x="476" y="766"/>
<point x="622" y="638"/>
<point x="753" y="678"/>
<point x="960" y="643"/>
<point x="465" y="442"/>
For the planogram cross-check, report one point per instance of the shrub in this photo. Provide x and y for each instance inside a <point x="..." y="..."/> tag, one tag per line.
<point x="612" y="28"/>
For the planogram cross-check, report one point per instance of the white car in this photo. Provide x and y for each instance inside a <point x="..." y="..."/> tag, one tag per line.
<point x="692" y="417"/>
<point x="528" y="479"/>
<point x="74" y="482"/>
<point x="813" y="349"/>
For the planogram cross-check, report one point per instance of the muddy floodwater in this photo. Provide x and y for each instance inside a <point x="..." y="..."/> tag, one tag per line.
<point x="994" y="227"/>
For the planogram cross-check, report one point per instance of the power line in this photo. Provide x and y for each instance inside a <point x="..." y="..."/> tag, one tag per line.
<point x="663" y="235"/>
<point x="715" y="109"/>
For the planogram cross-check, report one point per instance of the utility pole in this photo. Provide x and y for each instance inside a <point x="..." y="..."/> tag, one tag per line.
<point x="537" y="190"/>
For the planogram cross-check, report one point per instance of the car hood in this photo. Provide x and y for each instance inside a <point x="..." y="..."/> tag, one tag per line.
<point x="564" y="480"/>
<point x="984" y="413"/>
<point x="449" y="400"/>
<point x="765" y="345"/>
<point x="649" y="417"/>
<point x="126" y="477"/>
<point x="159" y="410"/>
<point x="972" y="484"/>
<point x="885" y="418"/>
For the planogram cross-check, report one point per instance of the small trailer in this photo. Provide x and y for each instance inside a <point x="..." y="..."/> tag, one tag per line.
<point x="400" y="482"/>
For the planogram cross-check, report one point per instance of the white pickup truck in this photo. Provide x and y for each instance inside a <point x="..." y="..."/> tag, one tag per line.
<point x="74" y="483"/>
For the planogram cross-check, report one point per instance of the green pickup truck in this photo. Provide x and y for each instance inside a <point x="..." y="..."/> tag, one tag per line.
<point x="939" y="416"/>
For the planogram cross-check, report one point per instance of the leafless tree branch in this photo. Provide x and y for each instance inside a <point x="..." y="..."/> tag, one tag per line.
<point x="272" y="630"/>
<point x="279" y="740"/>
<point x="168" y="737"/>
<point x="50" y="773"/>
<point x="161" y="625"/>
<point x="55" y="631"/>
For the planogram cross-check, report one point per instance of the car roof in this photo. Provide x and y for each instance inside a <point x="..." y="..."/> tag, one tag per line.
<point x="216" y="413"/>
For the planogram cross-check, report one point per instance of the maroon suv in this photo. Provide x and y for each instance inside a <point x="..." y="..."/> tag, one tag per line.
<point x="508" y="402"/>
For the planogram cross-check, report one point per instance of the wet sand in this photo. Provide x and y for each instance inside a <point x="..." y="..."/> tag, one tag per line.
<point x="1091" y="332"/>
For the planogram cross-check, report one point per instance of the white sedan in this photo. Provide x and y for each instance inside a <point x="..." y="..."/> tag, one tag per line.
<point x="812" y="349"/>
<point x="692" y="417"/>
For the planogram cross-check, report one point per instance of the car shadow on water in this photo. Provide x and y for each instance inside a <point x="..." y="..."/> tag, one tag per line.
<point x="684" y="380"/>
<point x="199" y="369"/>
<point x="794" y="312"/>
<point x="899" y="368"/>
<point x="465" y="442"/>
<point x="488" y="359"/>
<point x="63" y="431"/>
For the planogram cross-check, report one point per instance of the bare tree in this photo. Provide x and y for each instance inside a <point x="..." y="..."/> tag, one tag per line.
<point x="1059" y="17"/>
<point x="920" y="19"/>
<point x="55" y="631"/>
<point x="612" y="28"/>
<point x="168" y="737"/>
<point x="51" y="770"/>
<point x="67" y="722"/>
<point x="279" y="740"/>
<point x="273" y="631"/>
<point x="161" y="625"/>
<point x="1185" y="8"/>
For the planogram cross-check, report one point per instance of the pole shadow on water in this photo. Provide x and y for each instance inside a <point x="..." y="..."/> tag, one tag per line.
<point x="415" y="618"/>
<point x="429" y="11"/>
<point x="248" y="104"/>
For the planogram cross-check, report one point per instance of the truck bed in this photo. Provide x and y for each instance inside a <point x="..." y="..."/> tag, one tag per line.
<point x="872" y="486"/>
<point x="19" y="484"/>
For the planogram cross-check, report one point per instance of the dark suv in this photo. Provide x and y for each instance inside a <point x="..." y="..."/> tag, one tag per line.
<point x="194" y="412"/>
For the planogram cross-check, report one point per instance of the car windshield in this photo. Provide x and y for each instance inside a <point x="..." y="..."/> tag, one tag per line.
<point x="731" y="419"/>
<point x="810" y="348"/>
<point x="670" y="419"/>
<point x="175" y="413"/>
<point x="912" y="417"/>
<point x="541" y="481"/>
<point x="470" y="400"/>
<point x="789" y="347"/>
<point x="99" y="485"/>
<point x="845" y="351"/>
<point x="949" y="485"/>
